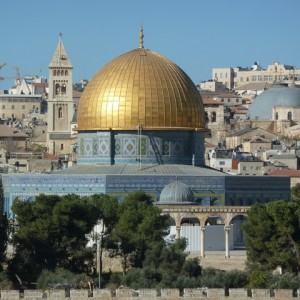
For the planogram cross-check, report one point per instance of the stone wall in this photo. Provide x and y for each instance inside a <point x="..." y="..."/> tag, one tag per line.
<point x="150" y="294"/>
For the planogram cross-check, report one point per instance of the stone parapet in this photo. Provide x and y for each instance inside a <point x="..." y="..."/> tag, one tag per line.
<point x="152" y="294"/>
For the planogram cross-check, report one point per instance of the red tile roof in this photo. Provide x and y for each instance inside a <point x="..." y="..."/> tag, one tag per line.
<point x="209" y="145"/>
<point x="50" y="156"/>
<point x="40" y="84"/>
<point x="212" y="101"/>
<point x="291" y="173"/>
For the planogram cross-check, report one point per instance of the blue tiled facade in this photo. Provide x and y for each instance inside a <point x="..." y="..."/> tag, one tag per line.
<point x="207" y="190"/>
<point x="128" y="147"/>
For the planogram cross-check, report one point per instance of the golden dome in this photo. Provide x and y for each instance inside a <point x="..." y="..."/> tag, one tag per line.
<point x="140" y="88"/>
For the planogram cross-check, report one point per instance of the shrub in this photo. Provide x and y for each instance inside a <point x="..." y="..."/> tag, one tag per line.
<point x="5" y="283"/>
<point x="213" y="278"/>
<point x="285" y="281"/>
<point x="61" y="279"/>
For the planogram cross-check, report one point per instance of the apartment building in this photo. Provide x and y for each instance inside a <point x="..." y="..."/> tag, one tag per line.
<point x="236" y="77"/>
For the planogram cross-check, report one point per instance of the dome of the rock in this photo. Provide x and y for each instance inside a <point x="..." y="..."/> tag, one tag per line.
<point x="141" y="108"/>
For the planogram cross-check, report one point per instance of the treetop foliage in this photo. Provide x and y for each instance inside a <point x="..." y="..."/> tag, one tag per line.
<point x="273" y="235"/>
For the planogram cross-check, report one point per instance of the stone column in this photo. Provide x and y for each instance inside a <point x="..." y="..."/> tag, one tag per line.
<point x="202" y="241"/>
<point x="178" y="232"/>
<point x="227" y="231"/>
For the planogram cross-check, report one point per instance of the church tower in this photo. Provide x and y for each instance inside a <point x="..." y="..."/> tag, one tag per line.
<point x="60" y="102"/>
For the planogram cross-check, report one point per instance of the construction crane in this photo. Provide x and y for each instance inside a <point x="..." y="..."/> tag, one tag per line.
<point x="17" y="68"/>
<point x="17" y="77"/>
<point x="3" y="78"/>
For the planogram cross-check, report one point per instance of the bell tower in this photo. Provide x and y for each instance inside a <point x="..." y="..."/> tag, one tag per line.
<point x="60" y="102"/>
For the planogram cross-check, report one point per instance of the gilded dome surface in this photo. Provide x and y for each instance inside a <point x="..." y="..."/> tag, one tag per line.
<point x="140" y="88"/>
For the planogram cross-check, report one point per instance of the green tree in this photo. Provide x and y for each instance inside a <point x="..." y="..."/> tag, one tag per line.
<point x="3" y="230"/>
<point x="52" y="232"/>
<point x="273" y="235"/>
<point x="165" y="266"/>
<point x="140" y="225"/>
<point x="295" y="192"/>
<point x="109" y="216"/>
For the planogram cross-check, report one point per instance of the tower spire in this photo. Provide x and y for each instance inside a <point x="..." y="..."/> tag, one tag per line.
<point x="141" y="37"/>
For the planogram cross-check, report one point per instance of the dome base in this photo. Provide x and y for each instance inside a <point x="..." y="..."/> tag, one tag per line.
<point x="148" y="147"/>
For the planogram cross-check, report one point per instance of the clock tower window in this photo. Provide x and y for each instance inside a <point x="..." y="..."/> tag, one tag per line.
<point x="63" y="88"/>
<point x="57" y="89"/>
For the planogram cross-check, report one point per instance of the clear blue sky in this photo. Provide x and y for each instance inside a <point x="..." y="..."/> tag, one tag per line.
<point x="195" y="34"/>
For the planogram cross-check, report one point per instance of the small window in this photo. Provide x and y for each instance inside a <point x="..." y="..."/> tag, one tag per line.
<point x="60" y="113"/>
<point x="206" y="117"/>
<point x="12" y="107"/>
<point x="54" y="72"/>
<point x="289" y="116"/>
<point x="214" y="117"/>
<point x="61" y="146"/>
<point x="3" y="116"/>
<point x="3" y="106"/>
<point x="23" y="106"/>
<point x="222" y="163"/>
<point x="276" y="116"/>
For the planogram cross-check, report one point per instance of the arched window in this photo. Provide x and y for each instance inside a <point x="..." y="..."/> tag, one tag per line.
<point x="60" y="113"/>
<point x="206" y="118"/>
<point x="57" y="89"/>
<point x="3" y="116"/>
<point x="23" y="116"/>
<point x="66" y="73"/>
<point x="214" y="117"/>
<point x="61" y="146"/>
<point x="289" y="116"/>
<point x="54" y="72"/>
<point x="58" y="73"/>
<point x="63" y="88"/>
<point x="276" y="116"/>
